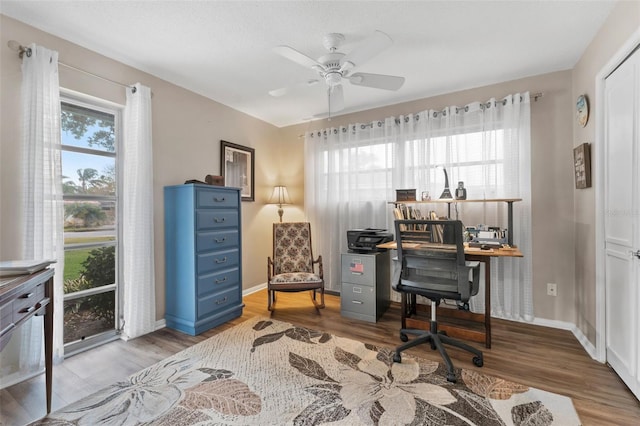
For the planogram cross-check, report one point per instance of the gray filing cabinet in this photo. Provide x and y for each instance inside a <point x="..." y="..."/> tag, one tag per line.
<point x="365" y="285"/>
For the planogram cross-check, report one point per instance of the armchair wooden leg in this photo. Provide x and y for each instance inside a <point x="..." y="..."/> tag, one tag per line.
<point x="315" y="300"/>
<point x="271" y="299"/>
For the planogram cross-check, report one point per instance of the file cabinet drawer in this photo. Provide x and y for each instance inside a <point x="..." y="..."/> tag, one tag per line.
<point x="357" y="269"/>
<point x="360" y="299"/>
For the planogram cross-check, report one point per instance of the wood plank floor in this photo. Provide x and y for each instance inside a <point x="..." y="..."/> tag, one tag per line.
<point x="541" y="357"/>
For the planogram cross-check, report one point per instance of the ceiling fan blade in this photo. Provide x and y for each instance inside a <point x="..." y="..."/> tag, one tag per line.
<point x="336" y="98"/>
<point x="368" y="49"/>
<point x="276" y="93"/>
<point x="378" y="81"/>
<point x="299" y="58"/>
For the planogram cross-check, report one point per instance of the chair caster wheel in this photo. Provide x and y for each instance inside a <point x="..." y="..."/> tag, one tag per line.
<point x="397" y="358"/>
<point x="404" y="337"/>
<point x="451" y="377"/>
<point x="444" y="333"/>
<point x="478" y="361"/>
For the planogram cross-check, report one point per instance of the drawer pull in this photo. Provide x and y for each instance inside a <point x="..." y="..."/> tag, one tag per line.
<point x="27" y="296"/>
<point x="357" y="302"/>
<point x="221" y="240"/>
<point x="223" y="260"/>
<point x="221" y="281"/>
<point x="218" y="219"/>
<point x="221" y="301"/>
<point x="27" y="310"/>
<point x="219" y="200"/>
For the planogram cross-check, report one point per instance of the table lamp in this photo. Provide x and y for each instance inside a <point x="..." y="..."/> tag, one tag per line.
<point x="280" y="196"/>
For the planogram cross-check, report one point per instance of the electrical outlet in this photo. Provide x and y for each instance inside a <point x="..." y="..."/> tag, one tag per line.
<point x="552" y="289"/>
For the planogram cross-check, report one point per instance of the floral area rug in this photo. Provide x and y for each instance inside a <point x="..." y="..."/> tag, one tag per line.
<point x="266" y="372"/>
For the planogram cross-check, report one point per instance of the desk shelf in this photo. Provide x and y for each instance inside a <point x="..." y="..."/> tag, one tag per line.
<point x="449" y="201"/>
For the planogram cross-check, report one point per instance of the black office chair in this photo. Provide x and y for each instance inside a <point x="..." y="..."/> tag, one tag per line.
<point x="432" y="262"/>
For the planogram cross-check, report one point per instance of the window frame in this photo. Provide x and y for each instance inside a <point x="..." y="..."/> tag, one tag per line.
<point x="117" y="110"/>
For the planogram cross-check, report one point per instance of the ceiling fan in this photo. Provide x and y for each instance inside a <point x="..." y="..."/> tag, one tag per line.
<point x="335" y="67"/>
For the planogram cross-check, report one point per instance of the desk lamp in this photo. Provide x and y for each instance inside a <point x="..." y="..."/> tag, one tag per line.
<point x="280" y="196"/>
<point x="446" y="193"/>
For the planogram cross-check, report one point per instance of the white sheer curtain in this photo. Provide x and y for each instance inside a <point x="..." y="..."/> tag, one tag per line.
<point x="43" y="209"/>
<point x="139" y="303"/>
<point x="353" y="171"/>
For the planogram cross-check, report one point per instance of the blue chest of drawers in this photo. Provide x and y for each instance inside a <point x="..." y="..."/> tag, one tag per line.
<point x="203" y="256"/>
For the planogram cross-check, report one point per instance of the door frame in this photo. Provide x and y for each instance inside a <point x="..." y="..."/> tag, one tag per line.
<point x="613" y="63"/>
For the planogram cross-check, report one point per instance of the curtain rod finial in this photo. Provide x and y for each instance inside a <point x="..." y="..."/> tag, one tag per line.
<point x="14" y="45"/>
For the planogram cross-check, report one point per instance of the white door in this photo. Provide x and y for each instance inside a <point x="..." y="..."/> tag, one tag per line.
<point x="622" y="220"/>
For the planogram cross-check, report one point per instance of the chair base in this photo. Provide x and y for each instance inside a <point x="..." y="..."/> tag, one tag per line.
<point x="271" y="298"/>
<point x="437" y="341"/>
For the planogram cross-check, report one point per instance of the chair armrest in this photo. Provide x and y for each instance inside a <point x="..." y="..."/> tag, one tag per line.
<point x="319" y="262"/>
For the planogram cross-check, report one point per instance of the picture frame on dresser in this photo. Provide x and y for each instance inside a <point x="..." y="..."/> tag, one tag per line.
<point x="237" y="166"/>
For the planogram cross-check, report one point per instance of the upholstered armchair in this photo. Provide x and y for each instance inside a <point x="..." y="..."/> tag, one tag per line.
<point x="292" y="267"/>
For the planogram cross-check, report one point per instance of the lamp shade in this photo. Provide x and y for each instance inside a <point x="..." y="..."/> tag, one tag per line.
<point x="280" y="195"/>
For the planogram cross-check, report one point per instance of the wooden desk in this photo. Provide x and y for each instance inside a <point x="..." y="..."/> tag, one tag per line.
<point x="22" y="297"/>
<point x="482" y="336"/>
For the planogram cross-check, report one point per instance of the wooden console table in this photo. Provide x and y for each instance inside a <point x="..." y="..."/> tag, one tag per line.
<point x="22" y="297"/>
<point x="482" y="336"/>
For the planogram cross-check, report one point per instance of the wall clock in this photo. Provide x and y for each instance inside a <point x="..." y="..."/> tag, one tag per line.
<point x="582" y="110"/>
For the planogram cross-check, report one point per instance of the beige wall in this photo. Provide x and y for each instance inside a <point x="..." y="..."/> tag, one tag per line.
<point x="187" y="129"/>
<point x="552" y="175"/>
<point x="623" y="21"/>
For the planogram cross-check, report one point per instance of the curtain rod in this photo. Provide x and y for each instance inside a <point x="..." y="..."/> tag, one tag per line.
<point x="535" y="97"/>
<point x="22" y="50"/>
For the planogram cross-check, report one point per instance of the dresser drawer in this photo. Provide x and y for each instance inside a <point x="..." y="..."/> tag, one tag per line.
<point x="358" y="299"/>
<point x="218" y="260"/>
<point x="216" y="240"/>
<point x="218" y="301"/>
<point x="359" y="269"/>
<point x="214" y="198"/>
<point x="217" y="280"/>
<point x="216" y="219"/>
<point x="27" y="302"/>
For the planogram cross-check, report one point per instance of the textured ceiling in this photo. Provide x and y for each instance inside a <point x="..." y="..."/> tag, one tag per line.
<point x="223" y="49"/>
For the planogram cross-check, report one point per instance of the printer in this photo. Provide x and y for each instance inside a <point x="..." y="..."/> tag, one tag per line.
<point x="366" y="240"/>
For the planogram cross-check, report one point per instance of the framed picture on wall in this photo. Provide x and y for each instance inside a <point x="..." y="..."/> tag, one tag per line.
<point x="237" y="165"/>
<point x="582" y="166"/>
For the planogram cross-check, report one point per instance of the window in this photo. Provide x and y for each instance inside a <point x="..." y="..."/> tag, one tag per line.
<point x="89" y="152"/>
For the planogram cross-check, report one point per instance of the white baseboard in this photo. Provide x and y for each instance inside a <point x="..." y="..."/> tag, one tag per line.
<point x="579" y="335"/>
<point x="254" y="289"/>
<point x="161" y="323"/>
<point x="586" y="344"/>
<point x="562" y="325"/>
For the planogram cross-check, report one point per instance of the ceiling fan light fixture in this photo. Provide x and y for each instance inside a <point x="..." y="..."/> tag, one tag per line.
<point x="333" y="78"/>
